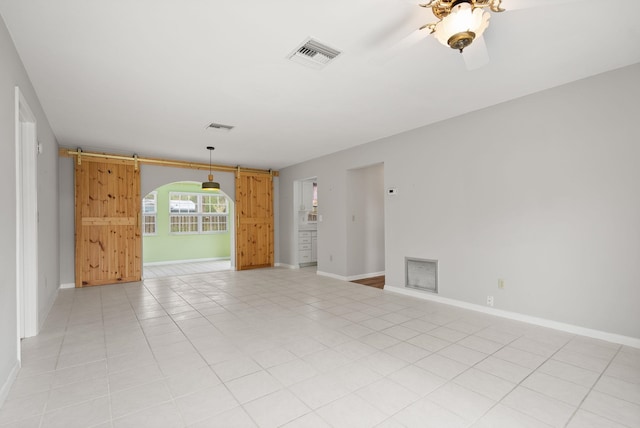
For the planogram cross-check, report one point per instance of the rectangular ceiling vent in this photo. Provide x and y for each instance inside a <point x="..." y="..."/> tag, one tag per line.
<point x="220" y="127"/>
<point x="313" y="54"/>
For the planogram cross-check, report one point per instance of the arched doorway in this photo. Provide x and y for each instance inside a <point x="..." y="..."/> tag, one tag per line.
<point x="186" y="230"/>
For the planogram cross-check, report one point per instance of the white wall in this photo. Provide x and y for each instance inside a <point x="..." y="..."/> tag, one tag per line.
<point x="543" y="191"/>
<point x="365" y="221"/>
<point x="152" y="177"/>
<point x="48" y="220"/>
<point x="66" y="196"/>
<point x="12" y="74"/>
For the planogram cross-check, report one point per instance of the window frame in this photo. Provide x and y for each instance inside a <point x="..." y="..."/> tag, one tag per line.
<point x="153" y="214"/>
<point x="187" y="216"/>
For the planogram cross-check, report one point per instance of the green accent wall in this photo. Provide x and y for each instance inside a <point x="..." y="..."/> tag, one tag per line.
<point x="165" y="246"/>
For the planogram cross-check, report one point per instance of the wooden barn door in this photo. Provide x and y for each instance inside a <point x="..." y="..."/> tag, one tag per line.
<point x="254" y="228"/>
<point x="108" y="240"/>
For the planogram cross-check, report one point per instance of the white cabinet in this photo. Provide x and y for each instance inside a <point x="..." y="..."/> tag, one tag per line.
<point x="307" y="253"/>
<point x="314" y="246"/>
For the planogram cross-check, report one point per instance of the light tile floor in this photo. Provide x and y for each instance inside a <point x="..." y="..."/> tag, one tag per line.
<point x="177" y="269"/>
<point x="278" y="347"/>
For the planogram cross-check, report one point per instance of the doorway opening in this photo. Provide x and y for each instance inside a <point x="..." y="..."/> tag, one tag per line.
<point x="305" y="201"/>
<point x="365" y="223"/>
<point x="26" y="146"/>
<point x="186" y="230"/>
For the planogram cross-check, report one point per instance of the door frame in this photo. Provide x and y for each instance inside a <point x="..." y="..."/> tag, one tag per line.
<point x="26" y="146"/>
<point x="297" y="203"/>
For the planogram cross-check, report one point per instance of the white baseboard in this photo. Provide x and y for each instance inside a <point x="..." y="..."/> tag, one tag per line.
<point x="364" y="276"/>
<point x="173" y="262"/>
<point x="6" y="387"/>
<point x="332" y="275"/>
<point x="67" y="285"/>
<point x="285" y="265"/>
<point x="350" y="278"/>
<point x="556" y="325"/>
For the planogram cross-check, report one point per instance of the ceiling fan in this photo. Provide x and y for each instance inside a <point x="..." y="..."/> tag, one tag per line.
<point x="460" y="24"/>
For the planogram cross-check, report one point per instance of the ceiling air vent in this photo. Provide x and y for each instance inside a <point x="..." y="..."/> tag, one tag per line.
<point x="220" y="127"/>
<point x="313" y="54"/>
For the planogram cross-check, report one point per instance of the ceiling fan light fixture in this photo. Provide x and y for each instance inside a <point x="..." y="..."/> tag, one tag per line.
<point x="461" y="40"/>
<point x="210" y="185"/>
<point x="462" y="25"/>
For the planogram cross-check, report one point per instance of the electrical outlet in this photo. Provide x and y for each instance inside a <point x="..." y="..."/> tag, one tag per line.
<point x="490" y="300"/>
<point x="501" y="283"/>
<point x="330" y="257"/>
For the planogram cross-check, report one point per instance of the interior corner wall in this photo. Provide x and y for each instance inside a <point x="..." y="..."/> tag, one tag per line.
<point x="12" y="74"/>
<point x="542" y="191"/>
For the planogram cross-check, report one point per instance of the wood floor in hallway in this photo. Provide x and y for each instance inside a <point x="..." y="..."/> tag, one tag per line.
<point x="375" y="281"/>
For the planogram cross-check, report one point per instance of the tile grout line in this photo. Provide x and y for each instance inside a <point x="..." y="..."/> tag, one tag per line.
<point x="470" y="367"/>
<point x="164" y="375"/>
<point x="106" y="361"/>
<point x="592" y="386"/>
<point x="66" y="326"/>
<point x="529" y="375"/>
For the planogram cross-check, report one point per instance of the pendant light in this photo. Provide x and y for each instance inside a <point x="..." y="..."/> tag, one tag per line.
<point x="210" y="185"/>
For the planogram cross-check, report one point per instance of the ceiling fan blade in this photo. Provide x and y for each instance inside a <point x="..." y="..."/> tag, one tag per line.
<point x="410" y="40"/>
<point x="402" y="45"/>
<point x="476" y="54"/>
<point x="509" y="5"/>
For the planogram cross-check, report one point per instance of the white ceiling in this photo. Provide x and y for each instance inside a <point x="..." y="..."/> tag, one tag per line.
<point x="148" y="76"/>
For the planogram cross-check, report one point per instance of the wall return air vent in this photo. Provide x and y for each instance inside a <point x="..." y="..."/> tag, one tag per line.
<point x="421" y="274"/>
<point x="313" y="54"/>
